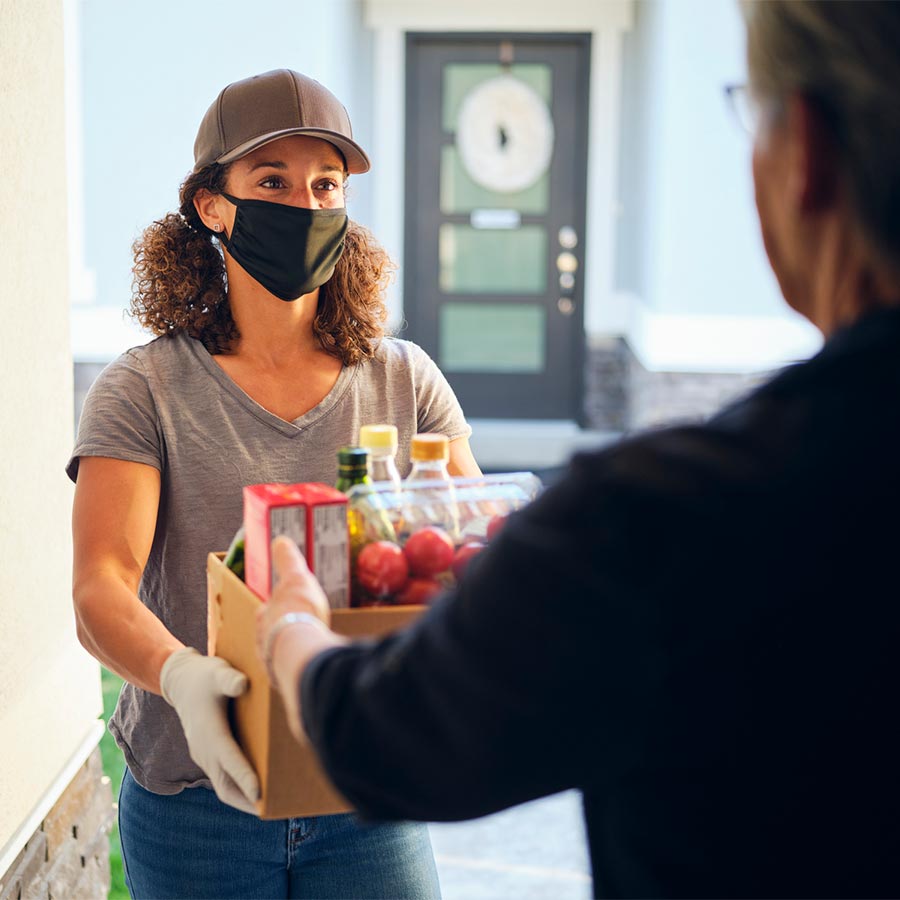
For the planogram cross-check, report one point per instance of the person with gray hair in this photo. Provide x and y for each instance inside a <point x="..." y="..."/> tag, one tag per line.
<point x="697" y="628"/>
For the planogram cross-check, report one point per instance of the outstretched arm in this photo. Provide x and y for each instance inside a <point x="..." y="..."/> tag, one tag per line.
<point x="113" y="521"/>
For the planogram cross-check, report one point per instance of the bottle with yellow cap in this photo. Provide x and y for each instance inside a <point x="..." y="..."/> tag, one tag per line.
<point x="367" y="515"/>
<point x="429" y="454"/>
<point x="381" y="442"/>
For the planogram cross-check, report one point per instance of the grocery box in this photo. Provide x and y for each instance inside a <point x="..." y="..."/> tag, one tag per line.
<point x="291" y="779"/>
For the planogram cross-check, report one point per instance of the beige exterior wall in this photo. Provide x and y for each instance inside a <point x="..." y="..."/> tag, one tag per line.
<point x="49" y="687"/>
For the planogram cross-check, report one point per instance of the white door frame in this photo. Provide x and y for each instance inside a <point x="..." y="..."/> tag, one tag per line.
<point x="606" y="21"/>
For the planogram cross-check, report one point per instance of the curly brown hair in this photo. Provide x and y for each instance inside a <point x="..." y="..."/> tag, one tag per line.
<point x="180" y="285"/>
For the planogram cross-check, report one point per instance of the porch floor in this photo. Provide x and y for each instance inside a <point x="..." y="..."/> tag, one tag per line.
<point x="531" y="852"/>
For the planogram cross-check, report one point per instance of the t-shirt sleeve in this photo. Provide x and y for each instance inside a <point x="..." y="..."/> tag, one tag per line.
<point x="119" y="418"/>
<point x="438" y="410"/>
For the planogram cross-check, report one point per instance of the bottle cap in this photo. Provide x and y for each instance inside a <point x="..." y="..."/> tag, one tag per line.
<point x="353" y="456"/>
<point x="429" y="447"/>
<point x="377" y="437"/>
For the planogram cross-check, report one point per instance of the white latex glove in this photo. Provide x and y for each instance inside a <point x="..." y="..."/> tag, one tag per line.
<point x="198" y="687"/>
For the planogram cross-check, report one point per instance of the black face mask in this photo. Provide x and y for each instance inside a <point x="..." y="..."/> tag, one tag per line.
<point x="290" y="251"/>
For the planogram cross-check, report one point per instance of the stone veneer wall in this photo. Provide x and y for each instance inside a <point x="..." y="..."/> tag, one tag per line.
<point x="658" y="398"/>
<point x="606" y="385"/>
<point x="621" y="395"/>
<point x="68" y="856"/>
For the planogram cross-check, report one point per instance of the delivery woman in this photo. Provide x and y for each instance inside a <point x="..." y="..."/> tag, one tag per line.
<point x="268" y="306"/>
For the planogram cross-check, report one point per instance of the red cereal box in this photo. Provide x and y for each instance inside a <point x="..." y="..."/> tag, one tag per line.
<point x="312" y="515"/>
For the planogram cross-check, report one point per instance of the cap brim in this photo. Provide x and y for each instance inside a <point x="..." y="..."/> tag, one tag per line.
<point x="354" y="155"/>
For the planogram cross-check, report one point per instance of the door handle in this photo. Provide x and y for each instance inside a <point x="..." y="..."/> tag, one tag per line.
<point x="568" y="237"/>
<point x="567" y="266"/>
<point x="567" y="263"/>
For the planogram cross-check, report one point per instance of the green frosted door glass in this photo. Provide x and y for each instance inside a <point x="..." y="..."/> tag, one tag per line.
<point x="459" y="194"/>
<point x="460" y="78"/>
<point x="492" y="337"/>
<point x="486" y="261"/>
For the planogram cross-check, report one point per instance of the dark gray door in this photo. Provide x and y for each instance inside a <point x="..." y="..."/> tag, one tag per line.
<point x="495" y="187"/>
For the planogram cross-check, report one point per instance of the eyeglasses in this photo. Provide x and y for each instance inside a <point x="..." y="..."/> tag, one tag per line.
<point x="743" y="106"/>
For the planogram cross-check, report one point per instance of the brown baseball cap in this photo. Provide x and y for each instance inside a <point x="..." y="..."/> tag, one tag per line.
<point x="257" y="110"/>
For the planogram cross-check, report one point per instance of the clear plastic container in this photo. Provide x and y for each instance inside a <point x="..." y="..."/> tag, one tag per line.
<point x="479" y="507"/>
<point x="436" y="504"/>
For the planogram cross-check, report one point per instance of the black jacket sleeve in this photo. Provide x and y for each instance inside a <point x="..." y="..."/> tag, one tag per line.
<point x="697" y="628"/>
<point x="536" y="675"/>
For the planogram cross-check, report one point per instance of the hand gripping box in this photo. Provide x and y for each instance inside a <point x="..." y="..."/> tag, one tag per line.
<point x="291" y="779"/>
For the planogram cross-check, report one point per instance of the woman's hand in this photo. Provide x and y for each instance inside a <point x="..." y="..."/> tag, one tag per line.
<point x="292" y="627"/>
<point x="198" y="688"/>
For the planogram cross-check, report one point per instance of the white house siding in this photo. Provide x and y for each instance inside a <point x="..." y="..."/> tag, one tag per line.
<point x="49" y="687"/>
<point x="699" y="294"/>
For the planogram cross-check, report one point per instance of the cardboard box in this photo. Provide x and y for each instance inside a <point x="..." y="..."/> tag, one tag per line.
<point x="314" y="516"/>
<point x="291" y="780"/>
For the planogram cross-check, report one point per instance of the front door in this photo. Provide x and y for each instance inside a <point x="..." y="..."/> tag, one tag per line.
<point x="495" y="188"/>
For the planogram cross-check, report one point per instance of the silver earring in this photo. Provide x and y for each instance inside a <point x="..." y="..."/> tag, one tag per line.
<point x="217" y="227"/>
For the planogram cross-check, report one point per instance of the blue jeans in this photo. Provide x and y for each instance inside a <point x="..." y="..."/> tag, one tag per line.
<point x="192" y="845"/>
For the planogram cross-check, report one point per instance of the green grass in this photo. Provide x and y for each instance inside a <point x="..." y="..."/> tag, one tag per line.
<point x="114" y="767"/>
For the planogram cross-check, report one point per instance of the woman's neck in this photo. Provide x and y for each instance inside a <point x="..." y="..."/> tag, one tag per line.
<point x="274" y="332"/>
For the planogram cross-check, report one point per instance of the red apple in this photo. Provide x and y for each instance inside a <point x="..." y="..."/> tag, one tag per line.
<point x="418" y="591"/>
<point x="381" y="568"/>
<point x="428" y="551"/>
<point x="464" y="555"/>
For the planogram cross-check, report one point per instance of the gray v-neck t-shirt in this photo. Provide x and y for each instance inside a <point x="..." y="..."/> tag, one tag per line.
<point x="169" y="405"/>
